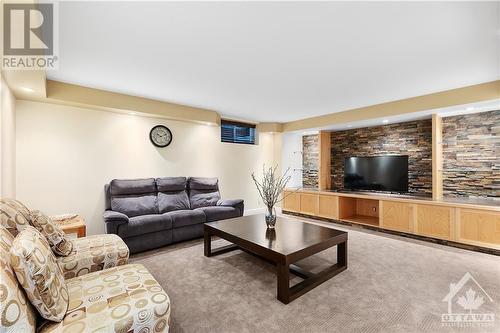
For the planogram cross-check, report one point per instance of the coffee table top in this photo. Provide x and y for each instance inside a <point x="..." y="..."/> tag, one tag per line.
<point x="289" y="236"/>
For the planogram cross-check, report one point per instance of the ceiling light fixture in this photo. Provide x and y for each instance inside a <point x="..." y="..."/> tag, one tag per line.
<point x="27" y="89"/>
<point x="385" y="121"/>
<point x="470" y="108"/>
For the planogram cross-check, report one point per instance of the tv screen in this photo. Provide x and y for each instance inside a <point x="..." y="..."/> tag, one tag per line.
<point x="377" y="173"/>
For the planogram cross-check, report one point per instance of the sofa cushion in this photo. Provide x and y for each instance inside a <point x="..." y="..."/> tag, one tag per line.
<point x="133" y="197"/>
<point x="132" y="186"/>
<point x="203" y="192"/>
<point x="171" y="184"/>
<point x="121" y="299"/>
<point x="14" y="216"/>
<point x="57" y="239"/>
<point x="144" y="224"/>
<point x="94" y="253"/>
<point x="216" y="213"/>
<point x="182" y="218"/>
<point x="171" y="201"/>
<point x="17" y="314"/>
<point x="172" y="194"/>
<point x="37" y="271"/>
<point x="203" y="183"/>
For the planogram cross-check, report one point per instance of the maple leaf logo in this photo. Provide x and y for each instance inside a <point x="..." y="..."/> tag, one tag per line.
<point x="470" y="301"/>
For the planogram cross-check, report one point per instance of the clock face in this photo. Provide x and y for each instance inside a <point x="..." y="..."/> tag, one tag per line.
<point x="160" y="136"/>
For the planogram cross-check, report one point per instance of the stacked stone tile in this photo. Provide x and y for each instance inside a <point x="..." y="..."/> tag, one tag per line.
<point x="310" y="160"/>
<point x="471" y="155"/>
<point x="410" y="138"/>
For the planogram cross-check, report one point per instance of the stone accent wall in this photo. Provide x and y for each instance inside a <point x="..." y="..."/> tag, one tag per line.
<point x="411" y="138"/>
<point x="471" y="155"/>
<point x="310" y="160"/>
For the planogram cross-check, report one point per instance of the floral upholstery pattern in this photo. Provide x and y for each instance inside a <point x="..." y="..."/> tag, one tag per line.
<point x="94" y="253"/>
<point x="38" y="273"/>
<point x="16" y="312"/>
<point x="14" y="216"/>
<point x="120" y="299"/>
<point x="57" y="239"/>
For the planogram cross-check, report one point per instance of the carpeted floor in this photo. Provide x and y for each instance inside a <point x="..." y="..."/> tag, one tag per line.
<point x="392" y="284"/>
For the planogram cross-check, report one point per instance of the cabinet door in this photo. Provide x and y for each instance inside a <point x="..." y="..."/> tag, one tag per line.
<point x="291" y="202"/>
<point x="309" y="203"/>
<point x="396" y="216"/>
<point x="478" y="227"/>
<point x="435" y="221"/>
<point x="329" y="206"/>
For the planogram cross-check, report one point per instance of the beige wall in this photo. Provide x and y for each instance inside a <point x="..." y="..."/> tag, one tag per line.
<point x="7" y="141"/>
<point x="66" y="154"/>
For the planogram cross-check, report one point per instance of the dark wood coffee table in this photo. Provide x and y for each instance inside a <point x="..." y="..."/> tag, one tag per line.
<point x="291" y="241"/>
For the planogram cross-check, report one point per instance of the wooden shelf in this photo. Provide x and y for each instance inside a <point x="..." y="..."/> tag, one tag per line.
<point x="362" y="219"/>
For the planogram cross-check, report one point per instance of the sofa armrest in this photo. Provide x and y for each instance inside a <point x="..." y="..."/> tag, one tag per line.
<point x="236" y="203"/>
<point x="112" y="220"/>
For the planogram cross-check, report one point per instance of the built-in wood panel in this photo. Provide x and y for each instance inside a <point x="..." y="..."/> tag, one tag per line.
<point x="325" y="149"/>
<point x="470" y="203"/>
<point x="478" y="227"/>
<point x="465" y="221"/>
<point x="309" y="204"/>
<point x="435" y="221"/>
<point x="328" y="206"/>
<point x="437" y="157"/>
<point x="291" y="201"/>
<point x="397" y="216"/>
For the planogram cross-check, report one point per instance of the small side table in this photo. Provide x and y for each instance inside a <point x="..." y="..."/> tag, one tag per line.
<point x="71" y="224"/>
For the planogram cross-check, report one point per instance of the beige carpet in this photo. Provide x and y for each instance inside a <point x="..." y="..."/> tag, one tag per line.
<point x="392" y="284"/>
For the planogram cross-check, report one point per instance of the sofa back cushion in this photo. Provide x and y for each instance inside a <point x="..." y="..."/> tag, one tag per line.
<point x="17" y="313"/>
<point x="172" y="194"/>
<point x="203" y="192"/>
<point x="133" y="197"/>
<point x="39" y="274"/>
<point x="14" y="216"/>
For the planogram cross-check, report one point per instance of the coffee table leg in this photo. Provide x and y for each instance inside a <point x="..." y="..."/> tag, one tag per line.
<point x="283" y="275"/>
<point x="311" y="280"/>
<point x="208" y="243"/>
<point x="342" y="254"/>
<point x="209" y="252"/>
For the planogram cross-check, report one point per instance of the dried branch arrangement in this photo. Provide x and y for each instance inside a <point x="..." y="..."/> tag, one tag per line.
<point x="271" y="185"/>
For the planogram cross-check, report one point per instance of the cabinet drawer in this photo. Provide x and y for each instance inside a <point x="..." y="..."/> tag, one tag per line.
<point x="435" y="221"/>
<point x="291" y="202"/>
<point x="309" y="204"/>
<point x="478" y="227"/>
<point x="328" y="206"/>
<point x="396" y="216"/>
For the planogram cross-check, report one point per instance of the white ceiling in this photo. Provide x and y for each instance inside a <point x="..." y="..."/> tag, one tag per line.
<point x="278" y="61"/>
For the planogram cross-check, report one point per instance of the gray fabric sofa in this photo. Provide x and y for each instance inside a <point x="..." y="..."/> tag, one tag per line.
<point x="153" y="212"/>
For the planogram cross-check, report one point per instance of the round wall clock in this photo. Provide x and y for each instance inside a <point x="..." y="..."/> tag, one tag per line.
<point x="160" y="136"/>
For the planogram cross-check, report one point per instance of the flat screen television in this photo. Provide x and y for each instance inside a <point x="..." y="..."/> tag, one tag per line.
<point x="376" y="173"/>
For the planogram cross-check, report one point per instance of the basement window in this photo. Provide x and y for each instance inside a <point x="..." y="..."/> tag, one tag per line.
<point x="236" y="132"/>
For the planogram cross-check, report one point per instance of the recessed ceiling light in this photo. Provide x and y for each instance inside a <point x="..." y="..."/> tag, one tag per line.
<point x="27" y="89"/>
<point x="385" y="121"/>
<point x="470" y="108"/>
